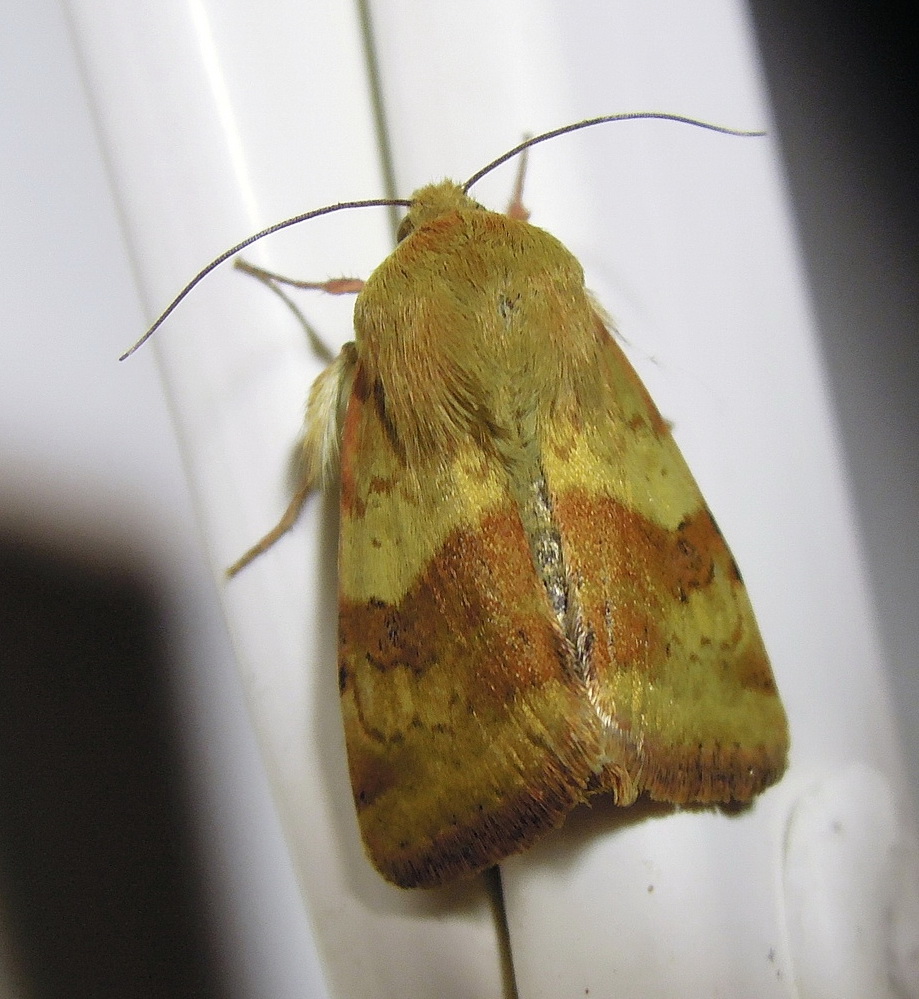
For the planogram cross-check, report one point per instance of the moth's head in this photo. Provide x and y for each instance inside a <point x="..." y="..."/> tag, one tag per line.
<point x="432" y="202"/>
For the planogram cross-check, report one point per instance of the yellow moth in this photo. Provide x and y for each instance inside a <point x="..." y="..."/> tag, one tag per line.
<point x="535" y="604"/>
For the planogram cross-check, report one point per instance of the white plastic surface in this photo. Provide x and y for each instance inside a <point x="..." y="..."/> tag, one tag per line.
<point x="852" y="891"/>
<point x="90" y="468"/>
<point x="220" y="118"/>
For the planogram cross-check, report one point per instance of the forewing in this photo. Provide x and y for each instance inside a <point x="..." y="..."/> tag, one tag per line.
<point x="467" y="733"/>
<point x="677" y="666"/>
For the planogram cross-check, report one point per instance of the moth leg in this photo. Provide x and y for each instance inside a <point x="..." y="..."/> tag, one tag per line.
<point x="516" y="209"/>
<point x="334" y="286"/>
<point x="272" y="281"/>
<point x="320" y="449"/>
<point x="278" y="531"/>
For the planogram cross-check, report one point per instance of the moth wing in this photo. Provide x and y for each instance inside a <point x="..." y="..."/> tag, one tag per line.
<point x="467" y="735"/>
<point x="678" y="667"/>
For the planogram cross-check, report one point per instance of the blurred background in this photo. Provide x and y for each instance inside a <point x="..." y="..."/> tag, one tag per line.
<point x="139" y="852"/>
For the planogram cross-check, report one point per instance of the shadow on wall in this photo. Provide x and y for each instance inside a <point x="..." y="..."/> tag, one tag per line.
<point x="98" y="879"/>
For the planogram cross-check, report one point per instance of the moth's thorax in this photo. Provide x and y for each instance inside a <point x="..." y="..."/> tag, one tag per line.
<point x="474" y="315"/>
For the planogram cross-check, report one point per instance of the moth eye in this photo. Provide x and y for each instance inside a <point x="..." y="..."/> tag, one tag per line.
<point x="406" y="228"/>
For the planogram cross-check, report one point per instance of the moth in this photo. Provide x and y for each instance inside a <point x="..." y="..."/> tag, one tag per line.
<point x="535" y="604"/>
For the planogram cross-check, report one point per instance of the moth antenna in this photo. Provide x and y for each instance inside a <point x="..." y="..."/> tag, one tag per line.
<point x="404" y="203"/>
<point x="217" y="261"/>
<point x="587" y="123"/>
